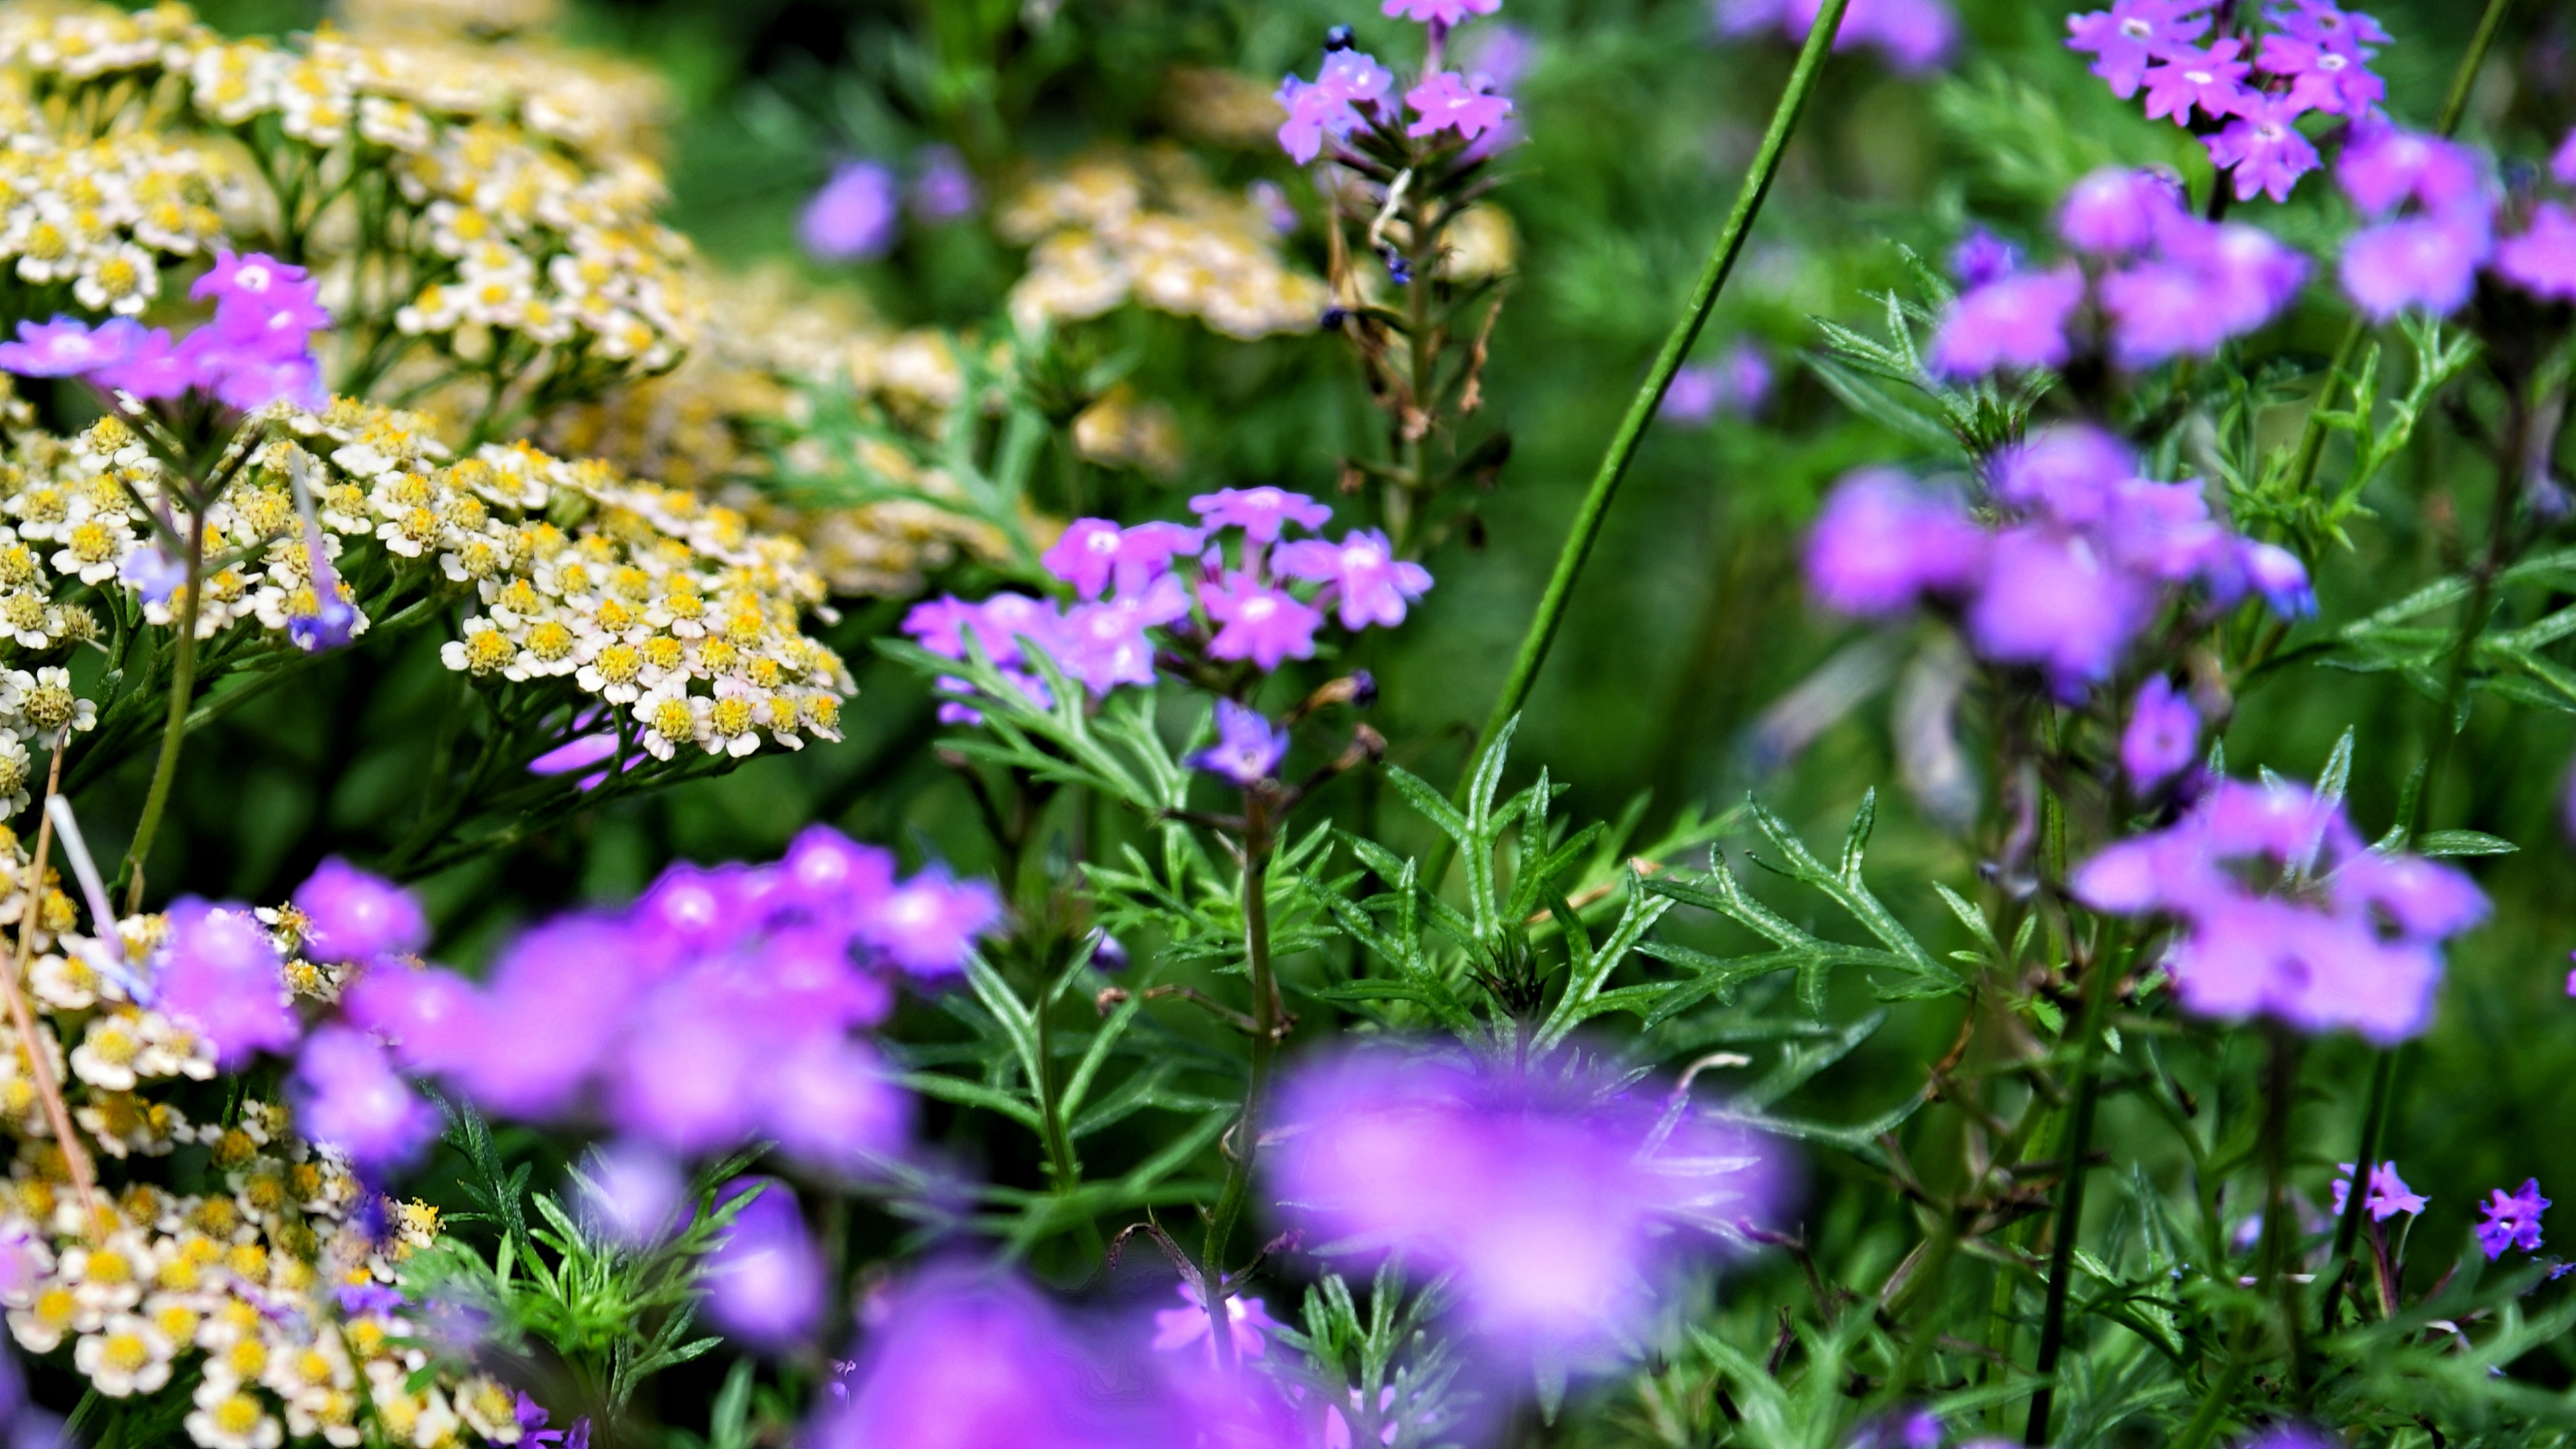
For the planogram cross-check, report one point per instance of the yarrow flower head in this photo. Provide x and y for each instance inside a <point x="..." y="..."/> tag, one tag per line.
<point x="1552" y="1202"/>
<point x="2512" y="1220"/>
<point x="2389" y="1195"/>
<point x="2286" y="914"/>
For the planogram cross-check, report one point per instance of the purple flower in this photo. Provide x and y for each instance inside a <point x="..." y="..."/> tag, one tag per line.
<point x="1328" y="106"/>
<point x="2115" y="211"/>
<point x="2542" y="260"/>
<point x="2276" y="574"/>
<point x="558" y="996"/>
<point x="2015" y="321"/>
<point x="928" y="924"/>
<point x="2249" y="275"/>
<point x="2427" y="262"/>
<point x="1260" y="512"/>
<point x="2162" y="737"/>
<point x="2212" y="80"/>
<point x="2159" y="311"/>
<point x="632" y="1192"/>
<point x="1095" y="551"/>
<point x="2389" y="1194"/>
<point x="218" y="968"/>
<point x="1260" y="623"/>
<point x="1104" y="645"/>
<point x="2563" y="164"/>
<point x="2266" y="151"/>
<point x="854" y="216"/>
<point x="1499" y="56"/>
<point x="347" y="1095"/>
<point x="831" y="1105"/>
<point x="153" y="573"/>
<point x="1439" y="12"/>
<point x="2384" y="167"/>
<point x="2328" y="24"/>
<point x="2132" y="34"/>
<point x="1551" y="1203"/>
<point x="1883" y="541"/>
<point x="765" y="1280"/>
<point x="1738" y="383"/>
<point x="69" y="347"/>
<point x="1913" y="35"/>
<point x="156" y="369"/>
<point x="2324" y="76"/>
<point x="581" y="753"/>
<point x="356" y="916"/>
<point x="1247" y="1321"/>
<point x="1445" y="102"/>
<point x="1362" y="572"/>
<point x="2067" y="472"/>
<point x="248" y="377"/>
<point x="2052" y="601"/>
<point x="432" y="1017"/>
<point x="2512" y="1220"/>
<point x="1248" y="747"/>
<point x="943" y="189"/>
<point x="829" y="877"/>
<point x="1981" y="257"/>
<point x="263" y="306"/>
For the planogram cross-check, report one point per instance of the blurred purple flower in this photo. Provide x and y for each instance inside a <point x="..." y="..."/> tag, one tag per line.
<point x="2264" y="149"/>
<point x="1260" y="512"/>
<point x="1439" y="12"/>
<point x="347" y="1095"/>
<point x="1361" y="574"/>
<point x="218" y="968"/>
<point x="1445" y="102"/>
<point x="943" y="190"/>
<point x="1498" y="56"/>
<point x="156" y="369"/>
<point x="356" y="916"/>
<point x="1248" y="747"/>
<point x="2562" y="165"/>
<point x="2116" y="210"/>
<point x="2326" y="75"/>
<point x="2163" y="736"/>
<point x="2018" y="321"/>
<point x="69" y="347"/>
<point x="929" y="924"/>
<point x="2051" y="601"/>
<point x="1260" y="623"/>
<point x="1247" y="1320"/>
<point x="1328" y="105"/>
<point x="2389" y="1194"/>
<point x="2512" y="1220"/>
<point x="1981" y="257"/>
<point x="1913" y="35"/>
<point x="1104" y="645"/>
<point x="153" y="573"/>
<point x="1738" y="383"/>
<point x="2542" y="259"/>
<point x="432" y="1017"/>
<point x="1883" y="541"/>
<point x="854" y="216"/>
<point x="2422" y="262"/>
<point x="765" y="1280"/>
<point x="261" y="303"/>
<point x="632" y="1192"/>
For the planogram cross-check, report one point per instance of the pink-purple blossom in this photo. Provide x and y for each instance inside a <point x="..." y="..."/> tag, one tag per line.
<point x="2324" y="75"/>
<point x="1439" y="12"/>
<point x="347" y="1095"/>
<point x="1883" y="542"/>
<point x="930" y="923"/>
<point x="1094" y="552"/>
<point x="2115" y="211"/>
<point x="2016" y="321"/>
<point x="1445" y="102"/>
<point x="2263" y="148"/>
<point x="1260" y="512"/>
<point x="1328" y="106"/>
<point x="2163" y="735"/>
<point x="1363" y="579"/>
<point x="2511" y="1220"/>
<point x="1912" y="35"/>
<point x="2421" y="263"/>
<point x="1248" y="746"/>
<point x="1247" y="1319"/>
<point x="764" y="1282"/>
<point x="68" y="347"/>
<point x="1981" y="256"/>
<point x="2541" y="259"/>
<point x="217" y="968"/>
<point x="2211" y="82"/>
<point x="2389" y="1195"/>
<point x="855" y="216"/>
<point x="354" y="916"/>
<point x="2133" y="34"/>
<point x="1737" y="384"/>
<point x="1258" y="622"/>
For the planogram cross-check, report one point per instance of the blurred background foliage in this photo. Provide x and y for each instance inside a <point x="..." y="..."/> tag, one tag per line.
<point x="1691" y="668"/>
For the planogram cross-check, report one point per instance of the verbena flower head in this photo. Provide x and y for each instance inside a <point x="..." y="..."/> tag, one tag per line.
<point x="69" y="347"/>
<point x="1440" y="12"/>
<point x="2389" y="1194"/>
<point x="2541" y="259"/>
<point x="2016" y="321"/>
<point x="1912" y="35"/>
<point x="1248" y="747"/>
<point x="218" y="968"/>
<point x="256" y="351"/>
<point x="1446" y="102"/>
<point x="2510" y="1220"/>
<point x="2284" y="913"/>
<point x="2208" y="81"/>
<point x="765" y="1281"/>
<point x="1260" y="512"/>
<point x="1363" y="579"/>
<point x="2264" y="148"/>
<point x="928" y="924"/>
<point x="855" y="216"/>
<point x="2134" y="34"/>
<point x="1550" y="1203"/>
<point x="1259" y="622"/>
<point x="357" y="916"/>
<point x="2163" y="737"/>
<point x="1095" y="552"/>
<point x="347" y="1095"/>
<point x="2428" y="256"/>
<point x="1328" y="106"/>
<point x="1247" y="1320"/>
<point x="1981" y="256"/>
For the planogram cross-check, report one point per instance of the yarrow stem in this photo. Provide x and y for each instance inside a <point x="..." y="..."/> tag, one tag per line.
<point x="57" y="1115"/>
<point x="1624" y="443"/>
<point x="174" y="729"/>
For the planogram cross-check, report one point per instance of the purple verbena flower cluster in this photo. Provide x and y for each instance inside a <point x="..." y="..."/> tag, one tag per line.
<point x="1254" y="597"/>
<point x="2433" y="221"/>
<point x="857" y="214"/>
<point x="717" y="1008"/>
<point x="1913" y="35"/>
<point x="2388" y="1196"/>
<point x="1551" y="1203"/>
<point x="2313" y="58"/>
<point x="1737" y="384"/>
<point x="2082" y="554"/>
<point x="2163" y="284"/>
<point x="2511" y="1220"/>
<point x="1351" y="90"/>
<point x="2285" y="913"/>
<point x="256" y="351"/>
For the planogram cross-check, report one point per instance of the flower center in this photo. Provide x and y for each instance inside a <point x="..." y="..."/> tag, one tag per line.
<point x="2136" y="28"/>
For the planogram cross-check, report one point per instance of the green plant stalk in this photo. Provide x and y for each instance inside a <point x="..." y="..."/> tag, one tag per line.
<point x="174" y="730"/>
<point x="1265" y="1043"/>
<point x="2374" y="1117"/>
<point x="2455" y="107"/>
<point x="1586" y="528"/>
<point x="2070" y="1198"/>
<point x="2213" y="1407"/>
<point x="2279" y="1245"/>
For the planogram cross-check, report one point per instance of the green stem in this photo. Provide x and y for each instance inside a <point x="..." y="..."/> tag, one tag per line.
<point x="2279" y="1230"/>
<point x="2070" y="1197"/>
<point x="174" y="730"/>
<point x="2213" y="1407"/>
<point x="2374" y="1117"/>
<point x="1265" y="1042"/>
<point x="1586" y="528"/>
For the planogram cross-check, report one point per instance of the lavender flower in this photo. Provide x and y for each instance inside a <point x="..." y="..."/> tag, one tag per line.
<point x="1260" y="623"/>
<point x="255" y="352"/>
<point x="1361" y="575"/>
<point x="347" y="1095"/>
<point x="218" y="969"/>
<point x="2162" y="738"/>
<point x="1445" y="102"/>
<point x="2263" y="148"/>
<point x="1329" y="105"/>
<point x="765" y="1280"/>
<point x="2014" y="321"/>
<point x="854" y="217"/>
<point x="2388" y="1197"/>
<point x="356" y="916"/>
<point x="2511" y="1221"/>
<point x="1981" y="257"/>
<point x="2326" y="75"/>
<point x="1248" y="747"/>
<point x="2134" y="34"/>
<point x="2115" y="211"/>
<point x="1105" y="645"/>
<point x="2349" y="938"/>
<point x="1884" y="541"/>
<point x="1247" y="1321"/>
<point x="2051" y="600"/>
<point x="1549" y="1203"/>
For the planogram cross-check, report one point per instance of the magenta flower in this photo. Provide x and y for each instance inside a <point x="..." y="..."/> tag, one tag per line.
<point x="1095" y="551"/>
<point x="2159" y="311"/>
<point x="2052" y="601"/>
<point x="1362" y="572"/>
<point x="262" y="305"/>
<point x="2116" y="211"/>
<point x="765" y="1281"/>
<point x="2211" y="81"/>
<point x="431" y="1017"/>
<point x="2264" y="149"/>
<point x="928" y="924"/>
<point x="2133" y="34"/>
<point x="2423" y="262"/>
<point x="2017" y="321"/>
<point x="2323" y="75"/>
<point x="1440" y="12"/>
<point x="218" y="968"/>
<point x="1260" y="512"/>
<point x="2511" y="1220"/>
<point x="633" y="1192"/>
<point x="2065" y="471"/>
<point x="1329" y="105"/>
<point x="2326" y="23"/>
<point x="1248" y="747"/>
<point x="1261" y="623"/>
<point x="943" y="190"/>
<point x="1738" y="383"/>
<point x="1247" y="1321"/>
<point x="1884" y="541"/>
<point x="68" y="347"/>
<point x="855" y="215"/>
<point x="2563" y="164"/>
<point x="1913" y="35"/>
<point x="2384" y="167"/>
<point x="1445" y="102"/>
<point x="357" y="916"/>
<point x="1104" y="645"/>
<point x="1981" y="257"/>
<point x="2388" y="1197"/>
<point x="1553" y="1206"/>
<point x="2249" y="275"/>
<point x="2163" y="735"/>
<point x="2542" y="260"/>
<point x="154" y="370"/>
<point x="348" y="1096"/>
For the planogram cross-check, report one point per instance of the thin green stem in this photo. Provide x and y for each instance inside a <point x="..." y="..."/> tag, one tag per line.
<point x="1266" y="1016"/>
<point x="174" y="730"/>
<point x="2070" y="1197"/>
<point x="2212" y="1413"/>
<point x="1586" y="528"/>
<point x="2374" y="1117"/>
<point x="2280" y="1230"/>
